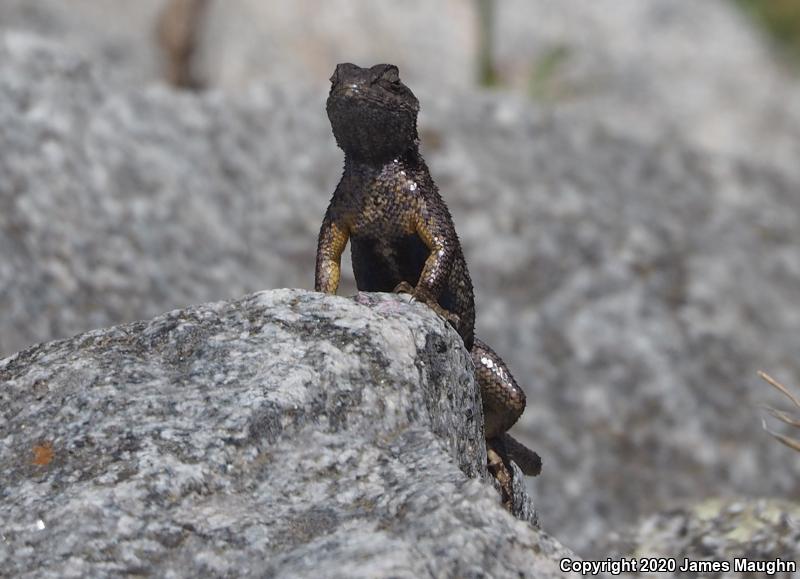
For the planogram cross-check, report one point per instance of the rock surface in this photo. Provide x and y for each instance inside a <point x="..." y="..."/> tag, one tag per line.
<point x="716" y="530"/>
<point x="633" y="287"/>
<point x="275" y="435"/>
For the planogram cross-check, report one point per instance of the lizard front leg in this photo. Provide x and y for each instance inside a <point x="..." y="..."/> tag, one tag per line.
<point x="333" y="237"/>
<point x="438" y="234"/>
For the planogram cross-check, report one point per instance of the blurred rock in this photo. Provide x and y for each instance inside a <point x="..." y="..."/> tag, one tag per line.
<point x="716" y="530"/>
<point x="116" y="206"/>
<point x="634" y="287"/>
<point x="647" y="68"/>
<point x="435" y="41"/>
<point x="121" y="35"/>
<point x="277" y="435"/>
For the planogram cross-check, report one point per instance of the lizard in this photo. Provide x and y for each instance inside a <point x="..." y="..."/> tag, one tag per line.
<point x="403" y="238"/>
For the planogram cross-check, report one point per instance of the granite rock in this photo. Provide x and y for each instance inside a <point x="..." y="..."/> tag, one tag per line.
<point x="718" y="530"/>
<point x="274" y="436"/>
<point x="117" y="205"/>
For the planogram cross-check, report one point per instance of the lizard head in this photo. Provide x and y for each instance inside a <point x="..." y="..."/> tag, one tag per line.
<point x="373" y="114"/>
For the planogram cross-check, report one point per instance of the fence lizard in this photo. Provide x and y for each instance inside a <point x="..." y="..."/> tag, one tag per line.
<point x="402" y="235"/>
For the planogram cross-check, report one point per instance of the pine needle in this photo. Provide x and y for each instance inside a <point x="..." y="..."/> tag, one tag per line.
<point x="784" y="417"/>
<point x="790" y="442"/>
<point x="780" y="387"/>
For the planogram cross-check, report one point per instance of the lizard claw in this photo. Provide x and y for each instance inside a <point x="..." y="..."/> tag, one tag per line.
<point x="454" y="319"/>
<point x="406" y="288"/>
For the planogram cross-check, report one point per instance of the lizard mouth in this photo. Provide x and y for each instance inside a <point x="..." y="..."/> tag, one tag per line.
<point x="358" y="120"/>
<point x="366" y="98"/>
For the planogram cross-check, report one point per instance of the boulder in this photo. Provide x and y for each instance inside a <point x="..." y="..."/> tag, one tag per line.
<point x="276" y="435"/>
<point x="117" y="205"/>
<point x="716" y="530"/>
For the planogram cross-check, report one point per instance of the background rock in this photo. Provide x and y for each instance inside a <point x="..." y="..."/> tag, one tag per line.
<point x="634" y="287"/>
<point x="646" y="68"/>
<point x="694" y="71"/>
<point x="276" y="435"/>
<point x="118" y="205"/>
<point x="716" y="530"/>
<point x="121" y="35"/>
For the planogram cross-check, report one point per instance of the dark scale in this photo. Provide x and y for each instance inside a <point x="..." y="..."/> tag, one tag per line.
<point x="401" y="232"/>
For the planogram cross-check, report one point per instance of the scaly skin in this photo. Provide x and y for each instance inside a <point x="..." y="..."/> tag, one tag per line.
<point x="401" y="231"/>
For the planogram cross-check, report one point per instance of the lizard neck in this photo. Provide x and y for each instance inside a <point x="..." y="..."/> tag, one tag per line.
<point x="377" y="160"/>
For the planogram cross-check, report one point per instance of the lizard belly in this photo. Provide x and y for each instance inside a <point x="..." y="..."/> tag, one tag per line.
<point x="379" y="264"/>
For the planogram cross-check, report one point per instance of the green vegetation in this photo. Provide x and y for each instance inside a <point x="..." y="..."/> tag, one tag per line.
<point x="781" y="20"/>
<point x="544" y="82"/>
<point x="487" y="75"/>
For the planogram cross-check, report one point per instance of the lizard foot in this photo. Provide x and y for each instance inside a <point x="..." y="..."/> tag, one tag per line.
<point x="406" y="288"/>
<point x="500" y="472"/>
<point x="446" y="314"/>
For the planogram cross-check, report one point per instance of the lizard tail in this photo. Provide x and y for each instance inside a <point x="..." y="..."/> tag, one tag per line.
<point x="529" y="462"/>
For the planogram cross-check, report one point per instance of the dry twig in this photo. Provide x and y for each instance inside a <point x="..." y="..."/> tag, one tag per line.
<point x="784" y="417"/>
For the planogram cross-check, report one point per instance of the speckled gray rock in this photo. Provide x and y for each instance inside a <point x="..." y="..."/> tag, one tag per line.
<point x="119" y="205"/>
<point x="276" y="435"/>
<point x="716" y="530"/>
